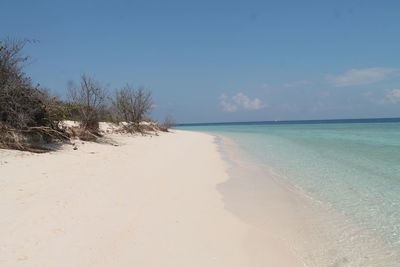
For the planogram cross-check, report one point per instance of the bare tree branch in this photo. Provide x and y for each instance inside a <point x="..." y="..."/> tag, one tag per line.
<point x="132" y="105"/>
<point x="90" y="97"/>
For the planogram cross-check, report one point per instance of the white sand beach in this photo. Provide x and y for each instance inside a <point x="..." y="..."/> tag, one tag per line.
<point x="150" y="201"/>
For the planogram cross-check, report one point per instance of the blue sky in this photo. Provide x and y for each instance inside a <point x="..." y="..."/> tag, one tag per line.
<point x="209" y="61"/>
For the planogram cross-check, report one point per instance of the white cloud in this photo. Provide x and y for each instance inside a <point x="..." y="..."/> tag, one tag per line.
<point x="226" y="106"/>
<point x="361" y="76"/>
<point x="301" y="83"/>
<point x="244" y="101"/>
<point x="240" y="100"/>
<point x="392" y="97"/>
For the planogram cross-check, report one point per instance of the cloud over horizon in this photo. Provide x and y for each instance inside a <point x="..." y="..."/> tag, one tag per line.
<point x="226" y="105"/>
<point x="240" y="100"/>
<point x="361" y="76"/>
<point x="392" y="97"/>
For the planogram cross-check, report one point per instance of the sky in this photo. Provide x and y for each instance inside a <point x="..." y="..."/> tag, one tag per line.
<point x="227" y="60"/>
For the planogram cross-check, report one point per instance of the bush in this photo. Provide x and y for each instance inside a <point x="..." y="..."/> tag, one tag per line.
<point x="21" y="104"/>
<point x="168" y="123"/>
<point x="132" y="105"/>
<point x="89" y="100"/>
<point x="28" y="115"/>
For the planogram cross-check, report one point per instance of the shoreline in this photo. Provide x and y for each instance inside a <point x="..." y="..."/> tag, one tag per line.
<point x="151" y="201"/>
<point x="317" y="233"/>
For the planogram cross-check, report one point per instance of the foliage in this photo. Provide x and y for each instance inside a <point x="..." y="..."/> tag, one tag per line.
<point x="21" y="104"/>
<point x="89" y="98"/>
<point x="168" y="123"/>
<point x="132" y="105"/>
<point x="30" y="115"/>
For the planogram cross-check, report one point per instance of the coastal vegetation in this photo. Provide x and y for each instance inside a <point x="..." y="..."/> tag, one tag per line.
<point x="131" y="105"/>
<point x="31" y="117"/>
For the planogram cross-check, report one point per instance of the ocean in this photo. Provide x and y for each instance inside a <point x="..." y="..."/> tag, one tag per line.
<point x="347" y="169"/>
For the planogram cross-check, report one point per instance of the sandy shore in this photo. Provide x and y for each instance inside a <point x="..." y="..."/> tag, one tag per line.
<point x="151" y="201"/>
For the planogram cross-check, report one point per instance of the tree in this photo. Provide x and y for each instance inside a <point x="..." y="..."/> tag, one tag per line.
<point x="132" y="105"/>
<point x="90" y="98"/>
<point x="28" y="115"/>
<point x="142" y="105"/>
<point x="168" y="123"/>
<point x="124" y="103"/>
<point x="21" y="103"/>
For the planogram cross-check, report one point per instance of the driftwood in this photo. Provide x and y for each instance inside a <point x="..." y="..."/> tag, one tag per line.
<point x="46" y="131"/>
<point x="83" y="134"/>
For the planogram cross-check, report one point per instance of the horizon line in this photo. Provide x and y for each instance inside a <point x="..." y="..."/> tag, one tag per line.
<point x="388" y="119"/>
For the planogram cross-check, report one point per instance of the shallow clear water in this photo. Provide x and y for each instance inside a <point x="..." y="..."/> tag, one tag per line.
<point x="351" y="168"/>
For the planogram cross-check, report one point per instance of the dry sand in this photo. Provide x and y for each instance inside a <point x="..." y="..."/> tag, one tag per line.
<point x="151" y="201"/>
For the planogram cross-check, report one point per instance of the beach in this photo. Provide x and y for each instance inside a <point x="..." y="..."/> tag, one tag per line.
<point x="200" y="134"/>
<point x="329" y="190"/>
<point x="130" y="201"/>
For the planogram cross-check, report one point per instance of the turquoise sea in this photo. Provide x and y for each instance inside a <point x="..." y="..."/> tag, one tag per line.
<point x="348" y="168"/>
